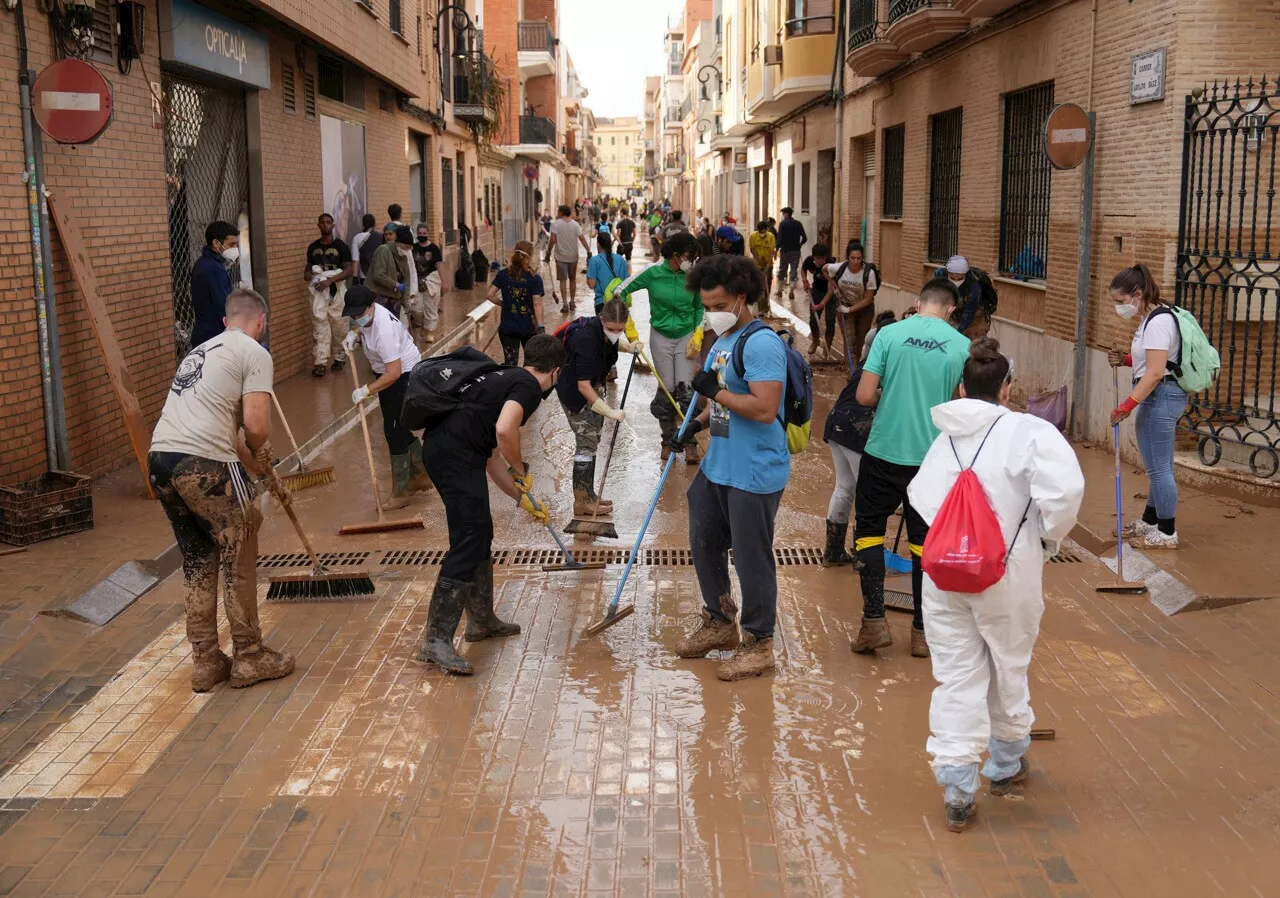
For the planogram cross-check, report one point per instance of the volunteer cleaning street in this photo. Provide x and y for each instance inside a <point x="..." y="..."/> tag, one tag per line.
<point x="981" y="642"/>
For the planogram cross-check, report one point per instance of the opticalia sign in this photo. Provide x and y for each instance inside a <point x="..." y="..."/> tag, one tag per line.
<point x="199" y="38"/>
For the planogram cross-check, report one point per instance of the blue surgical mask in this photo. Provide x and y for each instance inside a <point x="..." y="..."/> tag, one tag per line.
<point x="364" y="320"/>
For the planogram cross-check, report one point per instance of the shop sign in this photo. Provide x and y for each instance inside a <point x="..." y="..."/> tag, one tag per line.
<point x="758" y="151"/>
<point x="1146" y="77"/>
<point x="200" y="38"/>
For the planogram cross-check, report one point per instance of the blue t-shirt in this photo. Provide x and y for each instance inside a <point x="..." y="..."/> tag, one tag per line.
<point x="518" y="297"/>
<point x="744" y="454"/>
<point x="602" y="270"/>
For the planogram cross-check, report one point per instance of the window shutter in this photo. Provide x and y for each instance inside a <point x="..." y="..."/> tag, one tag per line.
<point x="288" y="88"/>
<point x="309" y="94"/>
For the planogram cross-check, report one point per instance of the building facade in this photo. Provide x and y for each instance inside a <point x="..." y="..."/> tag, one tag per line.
<point x="620" y="143"/>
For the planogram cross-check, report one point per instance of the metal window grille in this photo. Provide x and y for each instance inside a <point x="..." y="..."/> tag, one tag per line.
<point x="309" y="95"/>
<point x="862" y="22"/>
<point x="1024" y="191"/>
<point x="446" y="201"/>
<point x="331" y="80"/>
<point x="288" y="88"/>
<point x="394" y="17"/>
<point x="944" y="183"/>
<point x="895" y="140"/>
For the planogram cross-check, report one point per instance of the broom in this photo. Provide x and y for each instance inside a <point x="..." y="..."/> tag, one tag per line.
<point x="594" y="526"/>
<point x="318" y="583"/>
<point x="382" y="525"/>
<point x="304" y="476"/>
<point x="1120" y="585"/>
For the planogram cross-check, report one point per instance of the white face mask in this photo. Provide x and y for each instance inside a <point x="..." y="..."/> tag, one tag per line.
<point x="722" y="322"/>
<point x="1126" y="310"/>
<point x="231" y="255"/>
<point x="612" y="336"/>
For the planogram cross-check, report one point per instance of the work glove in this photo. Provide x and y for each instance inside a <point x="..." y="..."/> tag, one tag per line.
<point x="1123" y="410"/>
<point x="524" y="482"/>
<point x="1115" y="357"/>
<point x="349" y="341"/>
<point x="707" y="383"/>
<point x="678" y="442"/>
<point x="630" y="332"/>
<point x="1051" y="548"/>
<point x="694" y="345"/>
<point x="359" y="395"/>
<point x="535" y="509"/>
<point x="402" y="289"/>
<point x="600" y="407"/>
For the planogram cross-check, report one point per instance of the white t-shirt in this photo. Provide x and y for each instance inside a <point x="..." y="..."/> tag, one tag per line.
<point x="566" y="231"/>
<point x="385" y="340"/>
<point x="204" y="410"/>
<point x="852" y="283"/>
<point x="1158" y="331"/>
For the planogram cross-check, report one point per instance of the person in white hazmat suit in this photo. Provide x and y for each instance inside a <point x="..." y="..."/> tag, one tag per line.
<point x="982" y="642"/>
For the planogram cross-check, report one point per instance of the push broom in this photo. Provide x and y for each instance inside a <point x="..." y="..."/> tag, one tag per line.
<point x="319" y="582"/>
<point x="1119" y="585"/>
<point x="382" y="525"/>
<point x="592" y="525"/>
<point x="304" y="476"/>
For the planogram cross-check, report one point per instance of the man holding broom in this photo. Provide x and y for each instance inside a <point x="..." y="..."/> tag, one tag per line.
<point x="479" y="437"/>
<point x="215" y="424"/>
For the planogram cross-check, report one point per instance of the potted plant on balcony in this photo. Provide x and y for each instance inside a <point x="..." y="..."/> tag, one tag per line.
<point x="486" y="85"/>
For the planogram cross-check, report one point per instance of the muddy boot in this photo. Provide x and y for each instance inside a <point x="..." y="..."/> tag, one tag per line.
<point x="692" y="453"/>
<point x="668" y="429"/>
<point x="400" y="468"/>
<point x="958" y="816"/>
<point x="753" y="658"/>
<point x="211" y="668"/>
<point x="428" y="337"/>
<point x="482" y="623"/>
<point x="873" y="635"/>
<point x="419" y="481"/>
<point x="584" y="494"/>
<point x="836" y="555"/>
<point x="1005" y="786"/>
<point x="711" y="633"/>
<point x="263" y="664"/>
<point x="919" y="644"/>
<point x="442" y="622"/>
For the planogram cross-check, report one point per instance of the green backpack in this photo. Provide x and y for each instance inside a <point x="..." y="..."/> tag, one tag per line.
<point x="1198" y="362"/>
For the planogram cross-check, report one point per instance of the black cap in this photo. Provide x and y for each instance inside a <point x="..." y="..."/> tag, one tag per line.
<point x="359" y="298"/>
<point x="404" y="235"/>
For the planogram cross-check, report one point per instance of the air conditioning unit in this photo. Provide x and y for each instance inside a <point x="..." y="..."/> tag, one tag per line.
<point x="773" y="54"/>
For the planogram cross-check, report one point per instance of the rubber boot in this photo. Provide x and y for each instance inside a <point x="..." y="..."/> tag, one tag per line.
<point x="210" y="669"/>
<point x="400" y="475"/>
<point x="442" y="622"/>
<point x="419" y="481"/>
<point x="668" y="428"/>
<point x="836" y="554"/>
<point x="1005" y="786"/>
<point x="255" y="667"/>
<point x="692" y="452"/>
<point x="584" y="494"/>
<point x="482" y="623"/>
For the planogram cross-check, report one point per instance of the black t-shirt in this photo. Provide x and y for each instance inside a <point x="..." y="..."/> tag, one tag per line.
<point x="473" y="428"/>
<point x="818" y="285"/>
<point x="791" y="235"/>
<point x="425" y="259"/>
<point x="332" y="256"/>
<point x="626" y="231"/>
<point x="588" y="356"/>
<point x="518" y="297"/>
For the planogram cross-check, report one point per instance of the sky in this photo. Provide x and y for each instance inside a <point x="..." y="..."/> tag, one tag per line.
<point x="613" y="46"/>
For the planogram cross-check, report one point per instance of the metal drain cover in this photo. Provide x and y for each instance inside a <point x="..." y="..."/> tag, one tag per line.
<point x="301" y="559"/>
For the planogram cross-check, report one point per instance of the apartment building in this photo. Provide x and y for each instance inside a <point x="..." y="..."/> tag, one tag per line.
<point x="582" y="173"/>
<point x="652" y="136"/>
<point x="620" y="143"/>
<point x="944" y="120"/>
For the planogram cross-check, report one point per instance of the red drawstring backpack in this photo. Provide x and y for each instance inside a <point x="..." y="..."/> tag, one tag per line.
<point x="964" y="550"/>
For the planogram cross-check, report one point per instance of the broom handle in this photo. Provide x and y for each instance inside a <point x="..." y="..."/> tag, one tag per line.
<point x="286" y="500"/>
<point x="613" y="440"/>
<point x="1115" y="436"/>
<point x="368" y="447"/>
<point x="288" y="430"/>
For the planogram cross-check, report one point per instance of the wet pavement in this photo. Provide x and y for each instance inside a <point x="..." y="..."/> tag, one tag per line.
<point x="604" y="765"/>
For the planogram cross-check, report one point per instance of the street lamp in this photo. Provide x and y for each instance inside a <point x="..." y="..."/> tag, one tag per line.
<point x="704" y="75"/>
<point x="463" y="42"/>
<point x="703" y="127"/>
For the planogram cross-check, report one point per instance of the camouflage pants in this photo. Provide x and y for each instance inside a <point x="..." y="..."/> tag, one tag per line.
<point x="586" y="426"/>
<point x="215" y="522"/>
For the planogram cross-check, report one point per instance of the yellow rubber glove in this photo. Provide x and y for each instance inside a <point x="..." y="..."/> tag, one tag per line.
<point x="524" y="482"/>
<point x="536" y="509"/>
<point x="695" y="344"/>
<point x="631" y="332"/>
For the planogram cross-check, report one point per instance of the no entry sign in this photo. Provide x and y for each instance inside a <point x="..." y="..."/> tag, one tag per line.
<point x="1068" y="134"/>
<point x="72" y="101"/>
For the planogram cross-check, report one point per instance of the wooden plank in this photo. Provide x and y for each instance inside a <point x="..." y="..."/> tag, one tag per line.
<point x="117" y="370"/>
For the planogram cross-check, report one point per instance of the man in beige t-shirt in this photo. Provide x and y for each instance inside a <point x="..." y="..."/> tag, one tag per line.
<point x="216" y="423"/>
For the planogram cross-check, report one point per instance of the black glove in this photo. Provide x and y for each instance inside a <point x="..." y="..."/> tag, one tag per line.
<point x="678" y="442"/>
<point x="707" y="383"/>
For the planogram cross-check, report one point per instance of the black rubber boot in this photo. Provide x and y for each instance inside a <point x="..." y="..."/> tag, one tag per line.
<point x="584" y="492"/>
<point x="442" y="623"/>
<point x="482" y="623"/>
<point x="836" y="554"/>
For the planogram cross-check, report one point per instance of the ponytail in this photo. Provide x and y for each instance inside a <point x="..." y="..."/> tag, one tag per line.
<point x="1138" y="280"/>
<point x="521" y="256"/>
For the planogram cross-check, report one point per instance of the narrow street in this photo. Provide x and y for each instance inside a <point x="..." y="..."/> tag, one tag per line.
<point x="604" y="765"/>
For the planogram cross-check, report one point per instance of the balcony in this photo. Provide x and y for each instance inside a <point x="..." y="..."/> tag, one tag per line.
<point x="470" y="83"/>
<point x="575" y="158"/>
<point x="537" y="129"/>
<point x="919" y="25"/>
<point x="870" y="55"/>
<point x="672" y="119"/>
<point x="673" y="164"/>
<point x="536" y="49"/>
<point x="978" y="9"/>
<point x="808" y="42"/>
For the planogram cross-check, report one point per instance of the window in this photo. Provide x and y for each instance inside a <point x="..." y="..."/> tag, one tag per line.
<point x="626" y="141"/>
<point x="462" y="190"/>
<point x="394" y="17"/>
<point x="613" y="141"/>
<point x="386" y="100"/>
<point x="806" y="169"/>
<point x="1024" y="185"/>
<point x="791" y="185"/>
<point x="288" y="88"/>
<point x="488" y="208"/>
<point x="331" y="78"/>
<point x="309" y="95"/>
<point x="894" y="146"/>
<point x="944" y="184"/>
<point x="446" y="200"/>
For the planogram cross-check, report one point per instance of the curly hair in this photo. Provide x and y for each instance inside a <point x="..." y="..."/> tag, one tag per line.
<point x="738" y="275"/>
<point x="680" y="244"/>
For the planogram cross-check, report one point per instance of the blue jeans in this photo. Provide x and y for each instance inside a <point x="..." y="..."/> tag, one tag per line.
<point x="1157" y="419"/>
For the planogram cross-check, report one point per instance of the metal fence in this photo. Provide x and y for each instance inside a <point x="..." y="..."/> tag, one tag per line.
<point x="1024" y="191"/>
<point x="862" y="22"/>
<point x="900" y="8"/>
<point x="944" y="183"/>
<point x="895" y="142"/>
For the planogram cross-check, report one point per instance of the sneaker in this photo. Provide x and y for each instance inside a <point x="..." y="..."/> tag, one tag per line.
<point x="1137" y="528"/>
<point x="1155" y="540"/>
<point x="751" y="659"/>
<point x="209" y="670"/>
<point x="874" y="634"/>
<point x="711" y="633"/>
<point x="958" y="816"/>
<point x="318" y="370"/>
<point x="1005" y="786"/>
<point x="255" y="667"/>
<point x="337" y="364"/>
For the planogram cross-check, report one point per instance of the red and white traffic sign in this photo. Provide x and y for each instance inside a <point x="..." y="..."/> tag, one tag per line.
<point x="72" y="101"/>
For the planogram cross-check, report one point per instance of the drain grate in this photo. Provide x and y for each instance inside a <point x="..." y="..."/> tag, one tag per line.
<point x="791" y="555"/>
<point x="668" y="557"/>
<point x="1066" y="558"/>
<point x="301" y="559"/>
<point x="413" y="557"/>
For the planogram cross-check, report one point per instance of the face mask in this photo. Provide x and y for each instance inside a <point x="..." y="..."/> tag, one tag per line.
<point x="546" y="394"/>
<point x="364" y="320"/>
<point x="686" y="266"/>
<point x="231" y="255"/>
<point x="1126" y="310"/>
<point x="722" y="322"/>
<point x="612" y="337"/>
<point x="422" y="239"/>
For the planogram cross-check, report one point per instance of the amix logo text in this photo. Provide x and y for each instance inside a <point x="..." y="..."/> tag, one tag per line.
<point x="926" y="345"/>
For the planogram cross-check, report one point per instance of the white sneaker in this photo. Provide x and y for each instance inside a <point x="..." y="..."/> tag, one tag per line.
<point x="1155" y="540"/>
<point x="1137" y="528"/>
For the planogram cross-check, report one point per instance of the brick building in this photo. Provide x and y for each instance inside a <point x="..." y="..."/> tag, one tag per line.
<point x="943" y="119"/>
<point x="328" y="105"/>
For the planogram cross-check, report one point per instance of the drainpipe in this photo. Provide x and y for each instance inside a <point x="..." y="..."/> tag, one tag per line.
<point x="57" y="451"/>
<point x="837" y="93"/>
<point x="1084" y="259"/>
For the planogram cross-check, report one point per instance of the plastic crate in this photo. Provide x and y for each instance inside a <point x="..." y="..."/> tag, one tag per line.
<point x="53" y="504"/>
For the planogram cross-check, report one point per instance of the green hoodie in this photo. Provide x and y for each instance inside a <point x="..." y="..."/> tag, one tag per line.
<point x="674" y="310"/>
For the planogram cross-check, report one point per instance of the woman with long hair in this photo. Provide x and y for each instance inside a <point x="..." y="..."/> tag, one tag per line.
<point x="855" y="283"/>
<point x="1156" y="397"/>
<point x="518" y="290"/>
<point x="981" y="642"/>
<point x="605" y="267"/>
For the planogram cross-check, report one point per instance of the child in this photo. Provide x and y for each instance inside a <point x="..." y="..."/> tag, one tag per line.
<point x="820" y="305"/>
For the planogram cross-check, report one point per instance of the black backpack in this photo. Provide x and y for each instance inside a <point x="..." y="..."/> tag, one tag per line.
<point x="436" y="385"/>
<point x="372" y="242"/>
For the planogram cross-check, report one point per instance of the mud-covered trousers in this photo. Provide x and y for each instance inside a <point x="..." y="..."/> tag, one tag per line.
<point x="460" y="478"/>
<point x="215" y="522"/>
<point x="723" y="518"/>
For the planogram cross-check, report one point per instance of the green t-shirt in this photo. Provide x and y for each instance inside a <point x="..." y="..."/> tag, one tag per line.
<point x="919" y="362"/>
<point x="674" y="310"/>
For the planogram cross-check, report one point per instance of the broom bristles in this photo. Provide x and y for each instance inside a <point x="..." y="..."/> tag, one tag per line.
<point x="312" y="585"/>
<point x="381" y="526"/>
<point x="301" y="480"/>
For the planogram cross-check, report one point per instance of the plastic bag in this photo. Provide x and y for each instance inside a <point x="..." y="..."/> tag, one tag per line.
<point x="1050" y="406"/>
